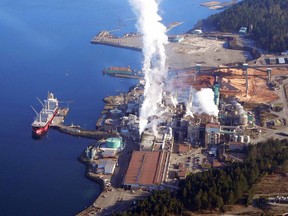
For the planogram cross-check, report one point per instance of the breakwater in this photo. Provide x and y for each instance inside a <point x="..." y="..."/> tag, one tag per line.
<point x="80" y="132"/>
<point x="128" y="41"/>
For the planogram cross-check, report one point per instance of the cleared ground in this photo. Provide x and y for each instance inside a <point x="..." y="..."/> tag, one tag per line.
<point x="199" y="50"/>
<point x="233" y="83"/>
<point x="272" y="185"/>
<point x="258" y="90"/>
<point x="193" y="49"/>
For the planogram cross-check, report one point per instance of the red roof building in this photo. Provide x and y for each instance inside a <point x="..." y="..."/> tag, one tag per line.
<point x="147" y="169"/>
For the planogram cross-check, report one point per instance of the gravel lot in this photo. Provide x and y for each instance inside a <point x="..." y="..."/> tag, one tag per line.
<point x="198" y="50"/>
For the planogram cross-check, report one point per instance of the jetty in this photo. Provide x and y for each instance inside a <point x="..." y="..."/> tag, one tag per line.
<point x="173" y="25"/>
<point x="129" y="41"/>
<point x="124" y="72"/>
<point x="59" y="118"/>
<point x="80" y="132"/>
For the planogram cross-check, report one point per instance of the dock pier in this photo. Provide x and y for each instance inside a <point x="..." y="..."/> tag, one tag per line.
<point x="80" y="132"/>
<point x="59" y="118"/>
<point x="128" y="41"/>
<point x="76" y="130"/>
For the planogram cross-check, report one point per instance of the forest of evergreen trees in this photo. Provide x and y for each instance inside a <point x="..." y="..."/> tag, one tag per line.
<point x="268" y="19"/>
<point x="217" y="187"/>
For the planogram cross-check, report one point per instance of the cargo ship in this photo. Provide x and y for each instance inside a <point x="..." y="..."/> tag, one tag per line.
<point x="44" y="118"/>
<point x="123" y="72"/>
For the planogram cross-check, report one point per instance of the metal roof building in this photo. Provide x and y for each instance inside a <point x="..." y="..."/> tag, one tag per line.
<point x="243" y="30"/>
<point x="110" y="167"/>
<point x="147" y="169"/>
<point x="281" y="60"/>
<point x="107" y="166"/>
<point x="109" y="153"/>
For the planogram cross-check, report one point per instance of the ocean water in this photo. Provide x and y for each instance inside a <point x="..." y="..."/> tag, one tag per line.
<point x="45" y="46"/>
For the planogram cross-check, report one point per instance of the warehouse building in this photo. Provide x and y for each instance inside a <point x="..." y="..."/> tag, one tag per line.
<point x="147" y="170"/>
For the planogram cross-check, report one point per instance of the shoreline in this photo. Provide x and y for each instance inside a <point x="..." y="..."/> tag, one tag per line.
<point x="112" y="103"/>
<point x="94" y="179"/>
<point x="110" y="184"/>
<point x="132" y="43"/>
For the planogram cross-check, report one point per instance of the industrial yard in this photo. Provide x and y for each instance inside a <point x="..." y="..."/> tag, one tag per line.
<point x="207" y="51"/>
<point x="233" y="82"/>
<point x="251" y="96"/>
<point x="183" y="51"/>
<point x="187" y="145"/>
<point x="252" y="102"/>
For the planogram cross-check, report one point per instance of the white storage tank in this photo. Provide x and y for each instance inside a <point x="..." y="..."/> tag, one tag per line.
<point x="244" y="119"/>
<point x="238" y="107"/>
<point x="247" y="139"/>
<point x="235" y="138"/>
<point x="241" y="139"/>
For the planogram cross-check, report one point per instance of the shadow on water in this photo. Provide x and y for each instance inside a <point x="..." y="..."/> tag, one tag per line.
<point x="38" y="136"/>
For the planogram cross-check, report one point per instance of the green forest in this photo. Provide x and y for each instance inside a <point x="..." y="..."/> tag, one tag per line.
<point x="217" y="187"/>
<point x="266" y="21"/>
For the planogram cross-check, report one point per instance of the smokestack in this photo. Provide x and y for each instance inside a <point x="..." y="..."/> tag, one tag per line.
<point x="154" y="39"/>
<point x="154" y="65"/>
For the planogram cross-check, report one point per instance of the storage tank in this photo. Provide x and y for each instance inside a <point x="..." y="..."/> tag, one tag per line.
<point x="116" y="112"/>
<point x="250" y="119"/>
<point x="238" y="107"/>
<point x="241" y="111"/>
<point x="247" y="139"/>
<point x="244" y="119"/>
<point x="114" y="142"/>
<point x="241" y="139"/>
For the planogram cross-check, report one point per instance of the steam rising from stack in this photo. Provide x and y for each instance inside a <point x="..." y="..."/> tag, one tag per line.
<point x="201" y="102"/>
<point x="204" y="102"/>
<point x="154" y="65"/>
<point x="154" y="39"/>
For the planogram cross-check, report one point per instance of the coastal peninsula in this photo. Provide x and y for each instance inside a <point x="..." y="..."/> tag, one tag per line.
<point x="249" y="89"/>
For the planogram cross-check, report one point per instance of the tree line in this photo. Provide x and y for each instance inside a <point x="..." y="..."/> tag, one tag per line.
<point x="217" y="187"/>
<point x="266" y="20"/>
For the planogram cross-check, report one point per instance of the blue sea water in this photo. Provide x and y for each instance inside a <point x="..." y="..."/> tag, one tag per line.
<point x="45" y="46"/>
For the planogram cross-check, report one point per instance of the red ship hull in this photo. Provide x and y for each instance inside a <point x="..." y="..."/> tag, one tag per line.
<point x="40" y="131"/>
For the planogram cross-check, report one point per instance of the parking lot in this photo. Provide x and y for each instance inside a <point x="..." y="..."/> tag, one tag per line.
<point x="192" y="161"/>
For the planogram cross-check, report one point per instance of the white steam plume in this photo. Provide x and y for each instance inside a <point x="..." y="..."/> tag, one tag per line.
<point x="154" y="64"/>
<point x="204" y="102"/>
